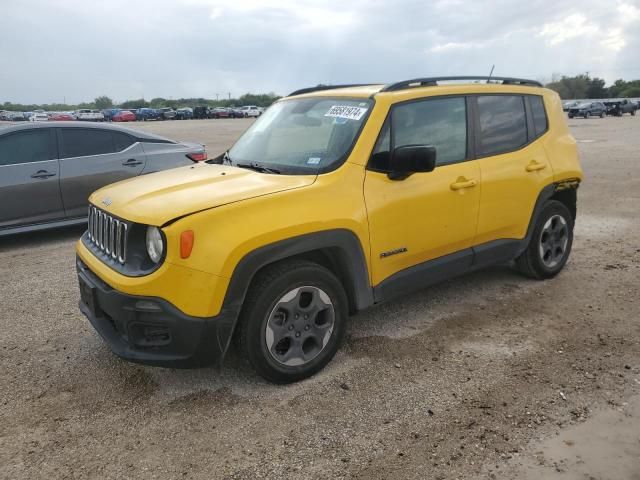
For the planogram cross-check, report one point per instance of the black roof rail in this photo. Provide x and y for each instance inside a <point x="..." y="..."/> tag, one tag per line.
<point x="326" y="87"/>
<point x="433" y="81"/>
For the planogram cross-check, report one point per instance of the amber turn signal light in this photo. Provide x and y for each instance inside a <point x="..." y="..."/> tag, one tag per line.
<point x="186" y="243"/>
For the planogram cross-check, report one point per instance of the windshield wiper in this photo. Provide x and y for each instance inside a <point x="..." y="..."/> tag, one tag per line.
<point x="223" y="159"/>
<point x="257" y="167"/>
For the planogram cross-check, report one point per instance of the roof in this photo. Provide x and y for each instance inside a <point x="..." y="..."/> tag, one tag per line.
<point x="14" y="127"/>
<point x="409" y="88"/>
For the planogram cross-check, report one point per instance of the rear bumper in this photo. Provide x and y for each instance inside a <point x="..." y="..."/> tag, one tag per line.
<point x="150" y="330"/>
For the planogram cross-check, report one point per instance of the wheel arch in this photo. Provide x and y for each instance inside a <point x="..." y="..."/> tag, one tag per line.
<point x="338" y="250"/>
<point x="565" y="192"/>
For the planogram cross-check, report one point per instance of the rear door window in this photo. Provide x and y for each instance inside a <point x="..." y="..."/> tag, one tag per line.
<point x="83" y="142"/>
<point x="122" y="141"/>
<point x="26" y="147"/>
<point x="503" y="124"/>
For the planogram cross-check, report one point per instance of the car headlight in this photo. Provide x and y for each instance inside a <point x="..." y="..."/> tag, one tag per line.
<point x="155" y="244"/>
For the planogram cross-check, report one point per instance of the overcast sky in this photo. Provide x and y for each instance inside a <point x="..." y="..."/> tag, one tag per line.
<point x="80" y="49"/>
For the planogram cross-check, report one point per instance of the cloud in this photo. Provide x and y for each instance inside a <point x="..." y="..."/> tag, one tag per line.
<point x="77" y="50"/>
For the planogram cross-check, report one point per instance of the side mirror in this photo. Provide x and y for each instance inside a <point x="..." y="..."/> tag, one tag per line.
<point x="411" y="159"/>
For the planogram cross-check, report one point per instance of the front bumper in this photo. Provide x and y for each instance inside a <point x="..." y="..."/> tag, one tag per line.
<point x="150" y="330"/>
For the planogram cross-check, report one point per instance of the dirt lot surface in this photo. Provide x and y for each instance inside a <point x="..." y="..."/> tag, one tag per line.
<point x="487" y="376"/>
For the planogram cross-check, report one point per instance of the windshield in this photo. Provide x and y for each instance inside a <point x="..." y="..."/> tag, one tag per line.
<point x="302" y="136"/>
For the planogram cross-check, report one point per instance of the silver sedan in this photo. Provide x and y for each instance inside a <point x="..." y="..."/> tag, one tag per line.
<point x="48" y="170"/>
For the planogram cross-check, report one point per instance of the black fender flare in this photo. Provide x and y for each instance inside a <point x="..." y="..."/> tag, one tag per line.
<point x="342" y="244"/>
<point x="545" y="194"/>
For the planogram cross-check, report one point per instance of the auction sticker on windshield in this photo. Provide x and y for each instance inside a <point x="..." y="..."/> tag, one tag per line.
<point x="346" y="111"/>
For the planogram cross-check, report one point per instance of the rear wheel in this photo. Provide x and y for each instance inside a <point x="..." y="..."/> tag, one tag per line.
<point x="550" y="244"/>
<point x="292" y="321"/>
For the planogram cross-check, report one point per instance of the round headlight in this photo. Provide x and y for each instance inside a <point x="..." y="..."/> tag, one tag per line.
<point x="155" y="244"/>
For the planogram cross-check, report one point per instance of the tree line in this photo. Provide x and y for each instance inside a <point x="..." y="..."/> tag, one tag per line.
<point x="579" y="86"/>
<point x="102" y="102"/>
<point x="583" y="86"/>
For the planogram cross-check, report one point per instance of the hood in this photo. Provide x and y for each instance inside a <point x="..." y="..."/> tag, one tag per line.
<point x="158" y="198"/>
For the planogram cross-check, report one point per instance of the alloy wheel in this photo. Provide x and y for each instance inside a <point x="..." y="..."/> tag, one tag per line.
<point x="553" y="241"/>
<point x="300" y="326"/>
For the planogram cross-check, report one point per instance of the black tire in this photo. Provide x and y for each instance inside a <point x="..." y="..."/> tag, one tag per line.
<point x="533" y="262"/>
<point x="267" y="292"/>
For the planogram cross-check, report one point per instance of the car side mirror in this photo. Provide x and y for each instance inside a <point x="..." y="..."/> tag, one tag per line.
<point x="411" y="159"/>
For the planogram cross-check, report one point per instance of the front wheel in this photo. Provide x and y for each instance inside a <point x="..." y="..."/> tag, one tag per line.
<point x="292" y="321"/>
<point x="550" y="244"/>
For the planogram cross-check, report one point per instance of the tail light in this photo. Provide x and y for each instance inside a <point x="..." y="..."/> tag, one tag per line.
<point x="197" y="157"/>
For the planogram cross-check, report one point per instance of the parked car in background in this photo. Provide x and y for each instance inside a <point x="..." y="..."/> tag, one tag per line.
<point x="235" y="112"/>
<point x="588" y="109"/>
<point x="46" y="183"/>
<point x="185" y="113"/>
<point x="145" y="114"/>
<point x="14" y="117"/>
<point x="88" y="115"/>
<point x="61" y="117"/>
<point x="200" y="112"/>
<point x="108" y="113"/>
<point x="124" y="116"/>
<point x="219" y="112"/>
<point x="40" y="116"/>
<point x="568" y="104"/>
<point x="166" y="113"/>
<point x="251" y="111"/>
<point x="620" y="107"/>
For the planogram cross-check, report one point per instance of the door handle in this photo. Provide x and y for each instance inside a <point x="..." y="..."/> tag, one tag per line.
<point x="132" y="162"/>
<point x="535" y="166"/>
<point x="42" y="174"/>
<point x="463" y="182"/>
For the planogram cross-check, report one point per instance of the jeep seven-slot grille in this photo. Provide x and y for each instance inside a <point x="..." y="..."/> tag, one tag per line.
<point x="108" y="234"/>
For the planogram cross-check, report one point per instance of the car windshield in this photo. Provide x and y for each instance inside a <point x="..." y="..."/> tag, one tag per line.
<point x="302" y="136"/>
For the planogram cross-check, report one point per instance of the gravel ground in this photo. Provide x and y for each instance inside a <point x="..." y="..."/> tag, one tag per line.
<point x="487" y="376"/>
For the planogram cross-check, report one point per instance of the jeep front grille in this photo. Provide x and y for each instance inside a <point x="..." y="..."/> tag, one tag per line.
<point x="108" y="234"/>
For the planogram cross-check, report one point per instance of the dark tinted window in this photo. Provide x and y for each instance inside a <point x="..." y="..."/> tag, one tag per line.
<point x="380" y="158"/>
<point x="122" y="141"/>
<point x="503" y="125"/>
<point x="25" y="147"/>
<point x="539" y="115"/>
<point x="81" y="142"/>
<point x="438" y="122"/>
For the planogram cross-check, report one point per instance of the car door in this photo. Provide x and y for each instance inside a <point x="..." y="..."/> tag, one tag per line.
<point x="29" y="178"/>
<point x="513" y="163"/>
<point x="91" y="158"/>
<point x="427" y="215"/>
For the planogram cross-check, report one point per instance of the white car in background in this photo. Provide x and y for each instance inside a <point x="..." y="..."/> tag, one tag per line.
<point x="90" y="115"/>
<point x="251" y="111"/>
<point x="39" y="116"/>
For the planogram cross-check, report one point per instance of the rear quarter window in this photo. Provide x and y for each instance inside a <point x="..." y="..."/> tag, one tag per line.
<point x="539" y="114"/>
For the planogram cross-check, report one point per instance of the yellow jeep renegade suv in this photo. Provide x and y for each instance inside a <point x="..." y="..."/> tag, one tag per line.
<point x="334" y="200"/>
